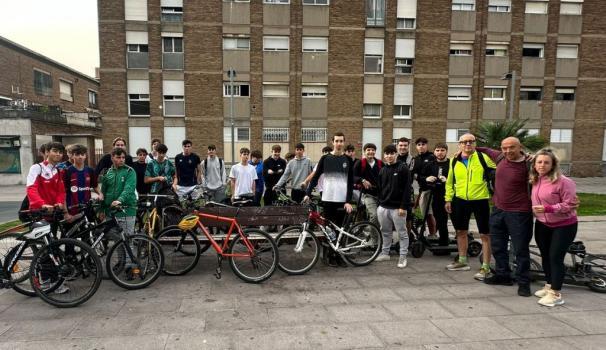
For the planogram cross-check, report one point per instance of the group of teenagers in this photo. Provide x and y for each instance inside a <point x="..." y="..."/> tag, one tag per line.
<point x="527" y="191"/>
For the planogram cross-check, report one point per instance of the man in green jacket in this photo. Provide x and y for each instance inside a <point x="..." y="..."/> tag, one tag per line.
<point x="467" y="193"/>
<point x="118" y="187"/>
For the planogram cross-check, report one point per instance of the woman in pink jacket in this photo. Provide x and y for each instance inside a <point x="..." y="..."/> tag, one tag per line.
<point x="554" y="205"/>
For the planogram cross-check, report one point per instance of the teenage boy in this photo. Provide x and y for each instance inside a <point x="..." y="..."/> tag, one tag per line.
<point x="243" y="177"/>
<point x="214" y="175"/>
<point x="273" y="168"/>
<point x="106" y="161"/>
<point x="350" y="151"/>
<point x="394" y="199"/>
<point x="80" y="180"/>
<point x="118" y="188"/>
<point x="256" y="158"/>
<point x="366" y="176"/>
<point x="420" y="161"/>
<point x="140" y="166"/>
<point x="45" y="188"/>
<point x="70" y="158"/>
<point x="187" y="165"/>
<point x="154" y="152"/>
<point x="320" y="186"/>
<point x="297" y="170"/>
<point x="405" y="157"/>
<point x="160" y="172"/>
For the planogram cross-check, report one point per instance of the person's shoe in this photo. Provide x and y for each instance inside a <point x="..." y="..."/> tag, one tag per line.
<point x="499" y="280"/>
<point x="383" y="257"/>
<point x="433" y="237"/>
<point x="340" y="261"/>
<point x="482" y="274"/>
<point x="524" y="290"/>
<point x="551" y="299"/>
<point x="62" y="289"/>
<point x="332" y="261"/>
<point x="402" y="262"/>
<point x="458" y="266"/>
<point x="541" y="293"/>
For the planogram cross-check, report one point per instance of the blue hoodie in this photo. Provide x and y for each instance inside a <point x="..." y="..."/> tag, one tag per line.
<point x="260" y="184"/>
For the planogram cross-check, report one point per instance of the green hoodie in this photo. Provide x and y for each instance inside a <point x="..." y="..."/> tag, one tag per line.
<point x="119" y="184"/>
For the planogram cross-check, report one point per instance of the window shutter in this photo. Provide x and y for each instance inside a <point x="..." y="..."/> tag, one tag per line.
<point x="567" y="51"/>
<point x="135" y="10"/>
<point x="405" y="48"/>
<point x="138" y="137"/>
<point x="459" y="46"/>
<point x="407" y="9"/>
<point x="536" y="7"/>
<point x="275" y="43"/>
<point x="402" y="94"/>
<point x="373" y="93"/>
<point x="315" y="44"/>
<point x="173" y="88"/>
<point x="138" y="87"/>
<point x="171" y="3"/>
<point x="499" y="2"/>
<point x="173" y="136"/>
<point x="136" y="38"/>
<point x="373" y="47"/>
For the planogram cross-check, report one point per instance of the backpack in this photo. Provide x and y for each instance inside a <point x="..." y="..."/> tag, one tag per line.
<point x="489" y="173"/>
<point x="206" y="168"/>
<point x="363" y="163"/>
<point x="23" y="217"/>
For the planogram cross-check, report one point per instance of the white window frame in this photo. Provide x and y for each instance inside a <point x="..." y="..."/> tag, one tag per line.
<point x="237" y="129"/>
<point x="561" y="47"/>
<point x="173" y="44"/>
<point x="141" y="97"/>
<point x="281" y="87"/>
<point x="502" y="49"/>
<point x="313" y="134"/>
<point x="531" y="89"/>
<point x="398" y="133"/>
<point x="237" y="41"/>
<point x="566" y="6"/>
<point x="314" y="91"/>
<point x="276" y="2"/>
<point x="463" y="5"/>
<point x="96" y="94"/>
<point x="565" y="91"/>
<point x="402" y="116"/>
<point x="63" y="96"/>
<point x="174" y="98"/>
<point x="276" y="37"/>
<point x="544" y="4"/>
<point x="458" y="97"/>
<point x="236" y="0"/>
<point x="316" y="2"/>
<point x="403" y="20"/>
<point x="502" y="6"/>
<point x="275" y="135"/>
<point x="237" y="91"/>
<point x="323" y="48"/>
<point x="461" y="49"/>
<point x="171" y="10"/>
<point x="453" y="135"/>
<point x="561" y="136"/>
<point x="375" y="21"/>
<point x="405" y="65"/>
<point x="495" y="97"/>
<point x="534" y="46"/>
<point x="372" y="116"/>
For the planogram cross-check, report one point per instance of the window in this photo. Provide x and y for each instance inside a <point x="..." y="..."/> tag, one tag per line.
<point x="571" y="8"/>
<point x="373" y="56"/>
<point x="463" y="5"/>
<point x="406" y="23"/>
<point x="275" y="134"/>
<point x="564" y="94"/>
<point x="172" y="14"/>
<point x="315" y="2"/>
<point x="313" y="134"/>
<point x="494" y="93"/>
<point x="242" y="134"/>
<point x="405" y="53"/>
<point x="375" y="13"/>
<point x="456" y="92"/>
<point x="401" y="132"/>
<point x="271" y="90"/>
<point x="533" y="50"/>
<point x="373" y="135"/>
<point x="138" y="104"/>
<point x="137" y="56"/>
<point x="453" y="135"/>
<point x="311" y="44"/>
<point x="402" y="111"/>
<point x="461" y="49"/>
<point x="532" y="132"/>
<point x="172" y="53"/>
<point x="236" y="0"/>
<point x="92" y="99"/>
<point x="372" y="111"/>
<point x="240" y="90"/>
<point x="138" y="137"/>
<point x="275" y="43"/>
<point x="172" y="45"/>
<point x="536" y="7"/>
<point x="499" y="5"/>
<point x="173" y="136"/>
<point x="174" y="103"/>
<point x="567" y="51"/>
<point x="236" y="43"/>
<point x="314" y="91"/>
<point x="66" y="90"/>
<point x="276" y="1"/>
<point x="135" y="10"/>
<point x="404" y="65"/>
<point x="43" y="83"/>
<point x="561" y="136"/>
<point x="531" y="93"/>
<point x="496" y="50"/>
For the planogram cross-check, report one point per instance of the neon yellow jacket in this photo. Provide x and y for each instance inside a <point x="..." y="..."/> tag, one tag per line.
<point x="469" y="184"/>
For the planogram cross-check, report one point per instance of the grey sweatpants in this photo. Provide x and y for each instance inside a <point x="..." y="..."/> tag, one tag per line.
<point x="388" y="219"/>
<point x="371" y="207"/>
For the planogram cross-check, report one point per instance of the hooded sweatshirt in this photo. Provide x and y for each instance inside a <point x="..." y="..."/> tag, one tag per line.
<point x="393" y="186"/>
<point x="297" y="170"/>
<point x="559" y="200"/>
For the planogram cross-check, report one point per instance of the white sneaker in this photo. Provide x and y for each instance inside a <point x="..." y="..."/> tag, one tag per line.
<point x="383" y="257"/>
<point x="541" y="293"/>
<point x="402" y="262"/>
<point x="551" y="299"/>
<point x="433" y="237"/>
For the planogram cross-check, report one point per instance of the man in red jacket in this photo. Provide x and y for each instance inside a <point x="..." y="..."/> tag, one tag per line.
<point x="45" y="188"/>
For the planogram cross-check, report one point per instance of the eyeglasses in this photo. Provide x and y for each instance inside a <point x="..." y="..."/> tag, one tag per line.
<point x="467" y="142"/>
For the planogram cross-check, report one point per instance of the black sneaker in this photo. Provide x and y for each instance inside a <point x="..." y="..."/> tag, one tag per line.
<point x="524" y="290"/>
<point x="498" y="280"/>
<point x="340" y="261"/>
<point x="332" y="261"/>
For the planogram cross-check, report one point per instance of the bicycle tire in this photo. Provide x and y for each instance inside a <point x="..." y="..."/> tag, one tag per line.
<point x="120" y="270"/>
<point x="265" y="256"/>
<point x="18" y="274"/>
<point x="292" y="262"/>
<point x="7" y="242"/>
<point x="181" y="250"/>
<point x="80" y="262"/>
<point x="204" y="245"/>
<point x="367" y="232"/>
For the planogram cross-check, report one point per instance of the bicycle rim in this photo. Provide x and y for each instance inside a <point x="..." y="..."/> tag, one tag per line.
<point x="366" y="245"/>
<point x="139" y="272"/>
<point x="18" y="272"/>
<point x="181" y="251"/>
<point x="66" y="273"/>
<point x="297" y="262"/>
<point x="260" y="263"/>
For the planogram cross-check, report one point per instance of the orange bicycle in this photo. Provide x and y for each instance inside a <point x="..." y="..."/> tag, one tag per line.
<point x="252" y="253"/>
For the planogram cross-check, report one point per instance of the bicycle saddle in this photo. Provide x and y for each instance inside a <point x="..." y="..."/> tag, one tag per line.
<point x="576" y="247"/>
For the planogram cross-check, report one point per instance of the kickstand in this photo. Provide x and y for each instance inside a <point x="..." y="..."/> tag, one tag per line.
<point x="218" y="270"/>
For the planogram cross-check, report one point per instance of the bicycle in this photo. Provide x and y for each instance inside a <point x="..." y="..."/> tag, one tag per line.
<point x="152" y="216"/>
<point x="252" y="253"/>
<point x="299" y="247"/>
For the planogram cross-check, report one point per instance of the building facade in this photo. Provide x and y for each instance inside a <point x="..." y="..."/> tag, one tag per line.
<point x="375" y="69"/>
<point x="42" y="100"/>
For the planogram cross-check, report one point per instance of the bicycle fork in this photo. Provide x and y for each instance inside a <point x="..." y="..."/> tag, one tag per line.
<point x="302" y="238"/>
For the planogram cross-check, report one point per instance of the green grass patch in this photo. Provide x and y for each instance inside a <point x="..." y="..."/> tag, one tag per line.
<point x="10" y="224"/>
<point x="591" y="204"/>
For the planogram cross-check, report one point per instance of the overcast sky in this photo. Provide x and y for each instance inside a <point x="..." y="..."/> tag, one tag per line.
<point x="64" y="30"/>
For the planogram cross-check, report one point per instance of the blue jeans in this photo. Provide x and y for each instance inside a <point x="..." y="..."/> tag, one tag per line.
<point x="517" y="226"/>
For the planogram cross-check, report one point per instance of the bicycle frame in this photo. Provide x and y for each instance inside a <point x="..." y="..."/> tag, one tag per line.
<point x="315" y="217"/>
<point x="222" y="249"/>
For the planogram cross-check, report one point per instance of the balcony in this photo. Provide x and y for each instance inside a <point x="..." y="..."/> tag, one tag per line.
<point x="137" y="60"/>
<point x="172" y="60"/>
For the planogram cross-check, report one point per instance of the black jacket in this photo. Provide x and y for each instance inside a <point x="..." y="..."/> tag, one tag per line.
<point x="106" y="162"/>
<point x="393" y="186"/>
<point x="370" y="174"/>
<point x="435" y="168"/>
<point x="420" y="161"/>
<point x="278" y="166"/>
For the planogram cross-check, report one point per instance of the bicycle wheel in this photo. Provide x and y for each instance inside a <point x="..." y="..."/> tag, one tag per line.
<point x="364" y="247"/>
<point x="257" y="265"/>
<point x="16" y="269"/>
<point x="171" y="215"/>
<point x="7" y="242"/>
<point x="139" y="270"/>
<point x="71" y="267"/>
<point x="295" y="262"/>
<point x="181" y="250"/>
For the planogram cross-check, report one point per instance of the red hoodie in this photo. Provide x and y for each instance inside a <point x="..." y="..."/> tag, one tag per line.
<point x="45" y="185"/>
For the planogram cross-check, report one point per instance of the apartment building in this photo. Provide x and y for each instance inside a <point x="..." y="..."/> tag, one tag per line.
<point x="375" y="69"/>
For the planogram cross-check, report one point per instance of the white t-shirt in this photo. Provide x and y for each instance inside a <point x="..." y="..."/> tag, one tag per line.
<point x="244" y="176"/>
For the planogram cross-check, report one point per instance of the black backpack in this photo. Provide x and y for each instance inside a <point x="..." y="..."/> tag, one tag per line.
<point x="23" y="217"/>
<point x="206" y="168"/>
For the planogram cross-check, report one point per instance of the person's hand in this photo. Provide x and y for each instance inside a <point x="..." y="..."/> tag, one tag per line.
<point x="366" y="184"/>
<point x="401" y="212"/>
<point x="348" y="208"/>
<point x="175" y="187"/>
<point x="280" y="171"/>
<point x="116" y="204"/>
<point x="303" y="185"/>
<point x="576" y="203"/>
<point x="538" y="209"/>
<point x="270" y="172"/>
<point x="68" y="218"/>
<point x="159" y="178"/>
<point x="448" y="207"/>
<point x="48" y="207"/>
<point x="431" y="179"/>
<point x="100" y="197"/>
<point x="306" y="199"/>
<point x="442" y="178"/>
<point x="275" y="188"/>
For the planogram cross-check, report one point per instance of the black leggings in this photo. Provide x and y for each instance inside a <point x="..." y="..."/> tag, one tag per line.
<point x="553" y="244"/>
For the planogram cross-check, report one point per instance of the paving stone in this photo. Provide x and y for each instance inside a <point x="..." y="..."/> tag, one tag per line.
<point x="370" y="295"/>
<point x="377" y="281"/>
<point x="175" y="323"/>
<point x="201" y="341"/>
<point x="151" y="305"/>
<point x="5" y="326"/>
<point x="107" y="326"/>
<point x="474" y="290"/>
<point x="426" y="278"/>
<point x="423" y="292"/>
<point x="133" y="342"/>
<point x="350" y="336"/>
<point x="236" y="319"/>
<point x="265" y="300"/>
<point x="474" y="307"/>
<point x="205" y="303"/>
<point x="525" y="305"/>
<point x="590" y="322"/>
<point x="308" y="314"/>
<point x="359" y="313"/>
<point x="474" y="329"/>
<point x="405" y="333"/>
<point x="72" y="344"/>
<point x="551" y="343"/>
<point x="583" y="302"/>
<point x="31" y="311"/>
<point x="292" y="338"/>
<point x="536" y="326"/>
<point x="586" y="342"/>
<point x="39" y="329"/>
<point x="325" y="297"/>
<point x="417" y="310"/>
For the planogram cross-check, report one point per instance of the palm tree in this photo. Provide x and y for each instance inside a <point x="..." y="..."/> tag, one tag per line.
<point x="490" y="134"/>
